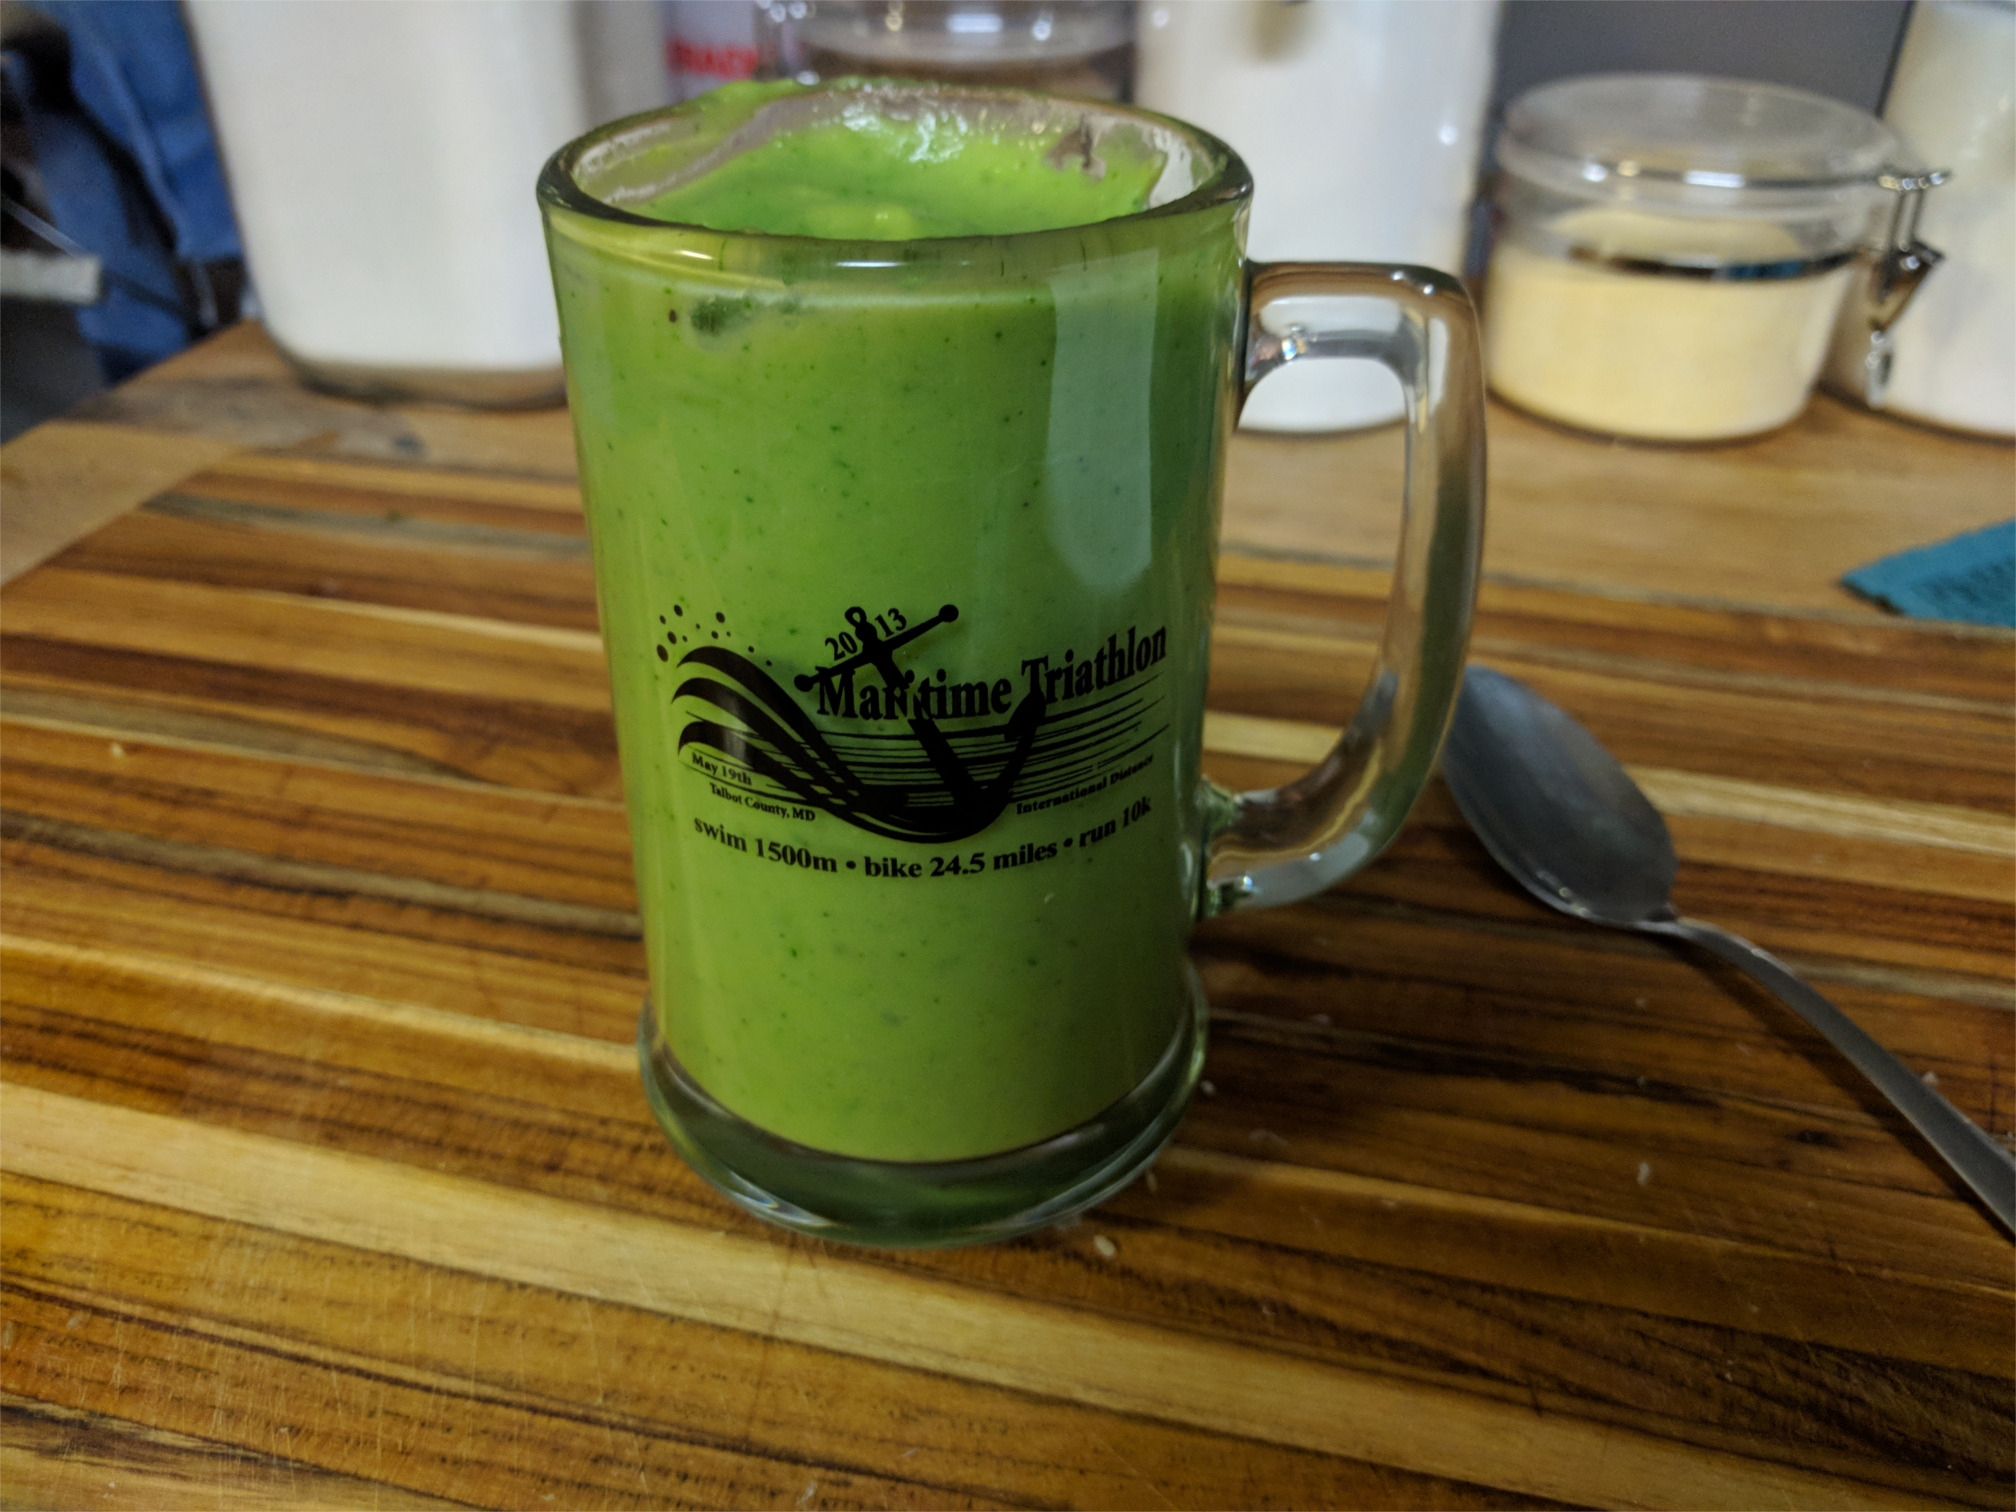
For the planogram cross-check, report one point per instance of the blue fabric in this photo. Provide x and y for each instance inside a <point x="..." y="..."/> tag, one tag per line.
<point x="126" y="158"/>
<point x="1970" y="578"/>
<point x="132" y="68"/>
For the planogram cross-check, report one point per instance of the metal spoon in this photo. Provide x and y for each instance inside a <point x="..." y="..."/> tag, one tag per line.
<point x="1558" y="812"/>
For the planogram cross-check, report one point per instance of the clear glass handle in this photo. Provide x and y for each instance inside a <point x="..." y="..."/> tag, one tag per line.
<point x="1281" y="844"/>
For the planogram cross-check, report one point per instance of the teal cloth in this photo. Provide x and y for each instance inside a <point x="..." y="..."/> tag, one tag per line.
<point x="1970" y="578"/>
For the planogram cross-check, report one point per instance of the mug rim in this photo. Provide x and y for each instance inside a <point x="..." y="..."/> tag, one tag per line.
<point x="1229" y="183"/>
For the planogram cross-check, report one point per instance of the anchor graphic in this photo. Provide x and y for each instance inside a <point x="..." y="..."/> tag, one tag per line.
<point x="835" y="682"/>
<point x="780" y="741"/>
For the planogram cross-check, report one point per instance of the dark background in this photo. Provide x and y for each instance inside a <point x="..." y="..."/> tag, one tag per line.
<point x="1834" y="47"/>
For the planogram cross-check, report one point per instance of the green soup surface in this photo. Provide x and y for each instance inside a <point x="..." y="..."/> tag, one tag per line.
<point x="873" y="177"/>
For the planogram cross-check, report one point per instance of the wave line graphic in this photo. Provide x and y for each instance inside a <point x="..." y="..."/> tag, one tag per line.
<point x="925" y="785"/>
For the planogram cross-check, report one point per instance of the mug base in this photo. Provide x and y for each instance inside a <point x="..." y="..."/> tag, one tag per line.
<point x="925" y="1204"/>
<point x="467" y="388"/>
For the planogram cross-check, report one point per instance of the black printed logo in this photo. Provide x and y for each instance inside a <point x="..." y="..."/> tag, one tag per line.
<point x="910" y="755"/>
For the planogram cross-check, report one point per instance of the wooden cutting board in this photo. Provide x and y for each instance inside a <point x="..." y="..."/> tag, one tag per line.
<point x="328" y="1181"/>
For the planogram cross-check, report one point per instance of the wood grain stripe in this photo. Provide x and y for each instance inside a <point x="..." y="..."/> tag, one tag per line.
<point x="366" y="1014"/>
<point x="1695" y="795"/>
<point x="1855" y="649"/>
<point x="1505" y="650"/>
<point x="428" y="653"/>
<point x="429" y="482"/>
<point x="1686" y="794"/>
<point x="54" y="1456"/>
<point x="1241" y="625"/>
<point x="393" y="530"/>
<point x="313" y="876"/>
<point x="760" y="1286"/>
<point x="586" y="641"/>
<point x="192" y="729"/>
<point x="131" y="730"/>
<point x="498" y="745"/>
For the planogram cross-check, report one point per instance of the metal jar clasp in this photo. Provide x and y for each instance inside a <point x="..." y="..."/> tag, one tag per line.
<point x="1896" y="267"/>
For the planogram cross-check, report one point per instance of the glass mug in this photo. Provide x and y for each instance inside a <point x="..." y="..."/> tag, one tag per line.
<point x="904" y="555"/>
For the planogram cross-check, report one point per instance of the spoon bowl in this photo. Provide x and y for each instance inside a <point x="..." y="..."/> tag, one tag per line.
<point x="1574" y="828"/>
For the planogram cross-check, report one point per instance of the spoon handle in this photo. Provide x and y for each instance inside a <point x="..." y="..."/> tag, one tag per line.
<point x="1978" y="1160"/>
